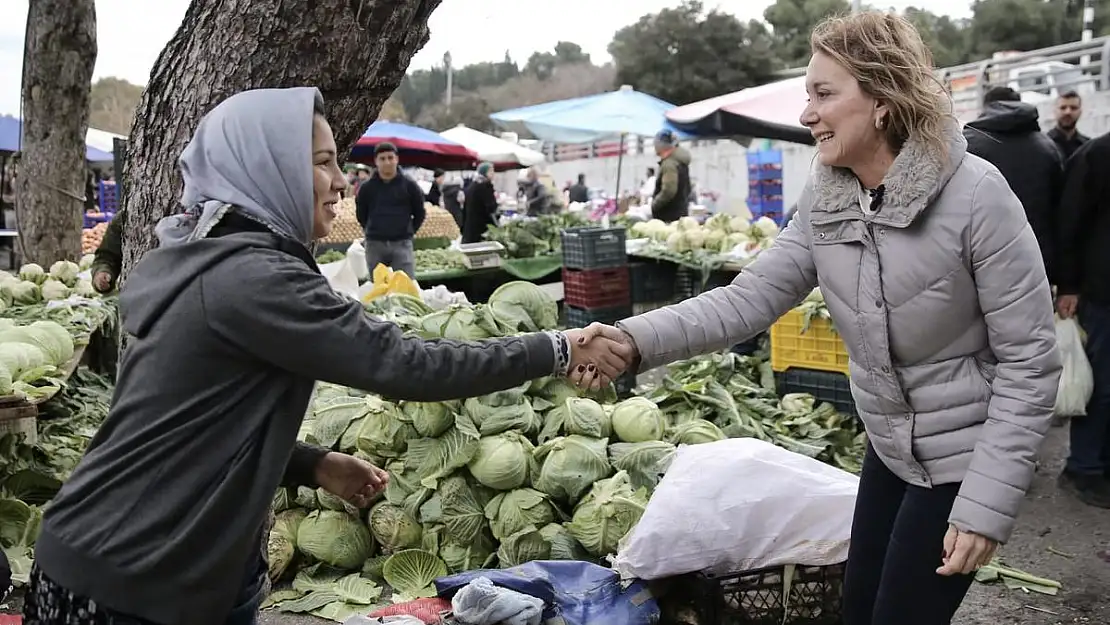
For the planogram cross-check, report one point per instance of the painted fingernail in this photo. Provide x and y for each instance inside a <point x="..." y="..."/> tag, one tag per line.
<point x="581" y="368"/>
<point x="591" y="367"/>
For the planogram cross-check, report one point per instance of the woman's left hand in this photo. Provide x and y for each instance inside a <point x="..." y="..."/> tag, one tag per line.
<point x="964" y="552"/>
<point x="351" y="479"/>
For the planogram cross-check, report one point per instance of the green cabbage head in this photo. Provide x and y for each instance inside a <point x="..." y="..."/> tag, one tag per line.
<point x="503" y="462"/>
<point x="335" y="538"/>
<point x="609" y="511"/>
<point x="638" y="419"/>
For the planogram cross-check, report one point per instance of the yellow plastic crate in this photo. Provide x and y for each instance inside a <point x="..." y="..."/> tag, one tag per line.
<point x="819" y="347"/>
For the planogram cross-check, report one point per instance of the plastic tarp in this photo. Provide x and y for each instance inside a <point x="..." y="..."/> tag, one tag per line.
<point x="503" y="154"/>
<point x="770" y="111"/>
<point x="415" y="146"/>
<point x="11" y="130"/>
<point x="578" y="593"/>
<point x="591" y="118"/>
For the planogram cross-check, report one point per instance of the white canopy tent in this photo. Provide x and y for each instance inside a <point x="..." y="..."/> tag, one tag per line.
<point x="101" y="139"/>
<point x="503" y="154"/>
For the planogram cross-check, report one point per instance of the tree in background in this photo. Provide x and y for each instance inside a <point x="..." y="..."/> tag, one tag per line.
<point x="355" y="51"/>
<point x="1003" y="25"/>
<point x="793" y="21"/>
<point x="112" y="104"/>
<point x="945" y="37"/>
<point x="60" y="52"/>
<point x="427" y="87"/>
<point x="542" y="64"/>
<point x="393" y="110"/>
<point x="684" y="54"/>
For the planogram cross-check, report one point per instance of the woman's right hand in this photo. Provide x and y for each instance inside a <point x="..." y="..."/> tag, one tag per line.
<point x="593" y="379"/>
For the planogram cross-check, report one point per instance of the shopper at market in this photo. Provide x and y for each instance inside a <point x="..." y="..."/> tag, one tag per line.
<point x="579" y="192"/>
<point x="390" y="208"/>
<point x="480" y="207"/>
<point x="935" y="283"/>
<point x="230" y="325"/>
<point x="108" y="258"/>
<point x="536" y="196"/>
<point x="435" y="193"/>
<point x="1008" y="135"/>
<point x="1066" y="135"/>
<point x="671" y="197"/>
<point x="1083" y="289"/>
<point x="453" y="198"/>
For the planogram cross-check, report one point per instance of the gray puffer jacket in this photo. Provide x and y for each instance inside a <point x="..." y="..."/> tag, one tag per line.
<point x="943" y="304"/>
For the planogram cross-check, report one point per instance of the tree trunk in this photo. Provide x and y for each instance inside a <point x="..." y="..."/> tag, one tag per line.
<point x="57" y="77"/>
<point x="355" y="51"/>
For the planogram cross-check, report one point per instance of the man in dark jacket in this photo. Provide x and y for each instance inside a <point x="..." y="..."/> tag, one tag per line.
<point x="435" y="194"/>
<point x="390" y="208"/>
<point x="1069" y="108"/>
<point x="536" y="195"/>
<point x="671" y="200"/>
<point x="480" y="210"/>
<point x="1083" y="289"/>
<point x="1008" y="135"/>
<point x="580" y="192"/>
<point x="453" y="198"/>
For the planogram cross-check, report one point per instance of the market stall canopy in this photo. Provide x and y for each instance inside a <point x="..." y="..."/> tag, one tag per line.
<point x="503" y="154"/>
<point x="591" y="118"/>
<point x="102" y="139"/>
<point x="415" y="146"/>
<point x="770" y="111"/>
<point x="11" y="130"/>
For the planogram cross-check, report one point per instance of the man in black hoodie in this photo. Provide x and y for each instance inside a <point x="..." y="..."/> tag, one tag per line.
<point x="1008" y="135"/>
<point x="390" y="208"/>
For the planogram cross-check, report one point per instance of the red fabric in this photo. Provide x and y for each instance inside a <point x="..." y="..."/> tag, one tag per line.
<point x="427" y="610"/>
<point x="11" y="619"/>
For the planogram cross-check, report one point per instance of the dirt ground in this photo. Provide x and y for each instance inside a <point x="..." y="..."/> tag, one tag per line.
<point x="1051" y="524"/>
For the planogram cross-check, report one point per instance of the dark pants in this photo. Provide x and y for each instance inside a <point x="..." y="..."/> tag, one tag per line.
<point x="397" y="255"/>
<point x="1090" y="434"/>
<point x="897" y="543"/>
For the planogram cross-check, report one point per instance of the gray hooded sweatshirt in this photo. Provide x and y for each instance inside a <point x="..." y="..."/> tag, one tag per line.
<point x="230" y="328"/>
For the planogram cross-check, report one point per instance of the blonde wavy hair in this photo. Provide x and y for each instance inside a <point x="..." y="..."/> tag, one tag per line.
<point x="885" y="54"/>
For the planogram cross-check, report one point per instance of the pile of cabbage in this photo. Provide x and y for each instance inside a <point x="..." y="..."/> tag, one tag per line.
<point x="537" y="472"/>
<point x="34" y="285"/>
<point x="721" y="235"/>
<point x="33" y="358"/>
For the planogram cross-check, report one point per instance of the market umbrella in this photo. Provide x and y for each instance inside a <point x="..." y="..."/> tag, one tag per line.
<point x="11" y="130"/>
<point x="415" y="146"/>
<point x="768" y="111"/>
<point x="592" y="118"/>
<point x="503" y="154"/>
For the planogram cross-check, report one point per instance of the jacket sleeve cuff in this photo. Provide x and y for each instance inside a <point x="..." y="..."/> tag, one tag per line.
<point x="301" y="469"/>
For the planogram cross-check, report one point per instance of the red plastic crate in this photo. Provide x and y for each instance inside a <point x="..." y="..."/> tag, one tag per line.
<point x="597" y="288"/>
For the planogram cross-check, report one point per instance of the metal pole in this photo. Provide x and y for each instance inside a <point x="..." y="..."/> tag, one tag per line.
<point x="1088" y="29"/>
<point x="450" y="77"/>
<point x="857" y="6"/>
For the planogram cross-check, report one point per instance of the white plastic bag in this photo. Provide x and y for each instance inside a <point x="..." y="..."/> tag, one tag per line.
<point x="356" y="255"/>
<point x="1077" y="382"/>
<point x="739" y="505"/>
<point x="341" y="277"/>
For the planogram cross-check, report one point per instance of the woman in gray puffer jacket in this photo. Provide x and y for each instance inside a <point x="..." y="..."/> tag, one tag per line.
<point x="935" y="282"/>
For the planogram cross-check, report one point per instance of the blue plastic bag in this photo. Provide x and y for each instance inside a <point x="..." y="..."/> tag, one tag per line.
<point x="579" y="593"/>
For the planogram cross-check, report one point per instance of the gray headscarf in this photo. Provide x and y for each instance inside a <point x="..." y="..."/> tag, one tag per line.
<point x="254" y="152"/>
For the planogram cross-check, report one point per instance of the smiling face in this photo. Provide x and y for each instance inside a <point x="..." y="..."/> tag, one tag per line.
<point x="327" y="178"/>
<point x="841" y="116"/>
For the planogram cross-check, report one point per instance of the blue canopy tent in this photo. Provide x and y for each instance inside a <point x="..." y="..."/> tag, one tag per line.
<point x="592" y="118"/>
<point x="11" y="131"/>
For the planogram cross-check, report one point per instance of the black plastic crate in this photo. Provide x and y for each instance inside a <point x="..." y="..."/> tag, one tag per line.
<point x="691" y="283"/>
<point x="652" y="281"/>
<point x="754" y="598"/>
<point x="824" y="385"/>
<point x="592" y="247"/>
<point x="582" y="317"/>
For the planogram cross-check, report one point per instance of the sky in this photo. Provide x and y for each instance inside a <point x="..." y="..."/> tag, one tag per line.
<point x="131" y="33"/>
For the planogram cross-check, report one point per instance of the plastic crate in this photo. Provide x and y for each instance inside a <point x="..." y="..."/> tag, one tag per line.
<point x="765" y="187"/>
<point x="109" y="197"/>
<point x="688" y="282"/>
<point x="819" y="347"/>
<point x="582" y="317"/>
<point x="756" y="598"/>
<point x="652" y="281"/>
<point x="639" y="308"/>
<point x="765" y="164"/>
<point x="834" y="388"/>
<point x="596" y="288"/>
<point x="593" y="248"/>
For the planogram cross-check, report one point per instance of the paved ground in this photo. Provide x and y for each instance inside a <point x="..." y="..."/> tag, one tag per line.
<point x="1051" y="524"/>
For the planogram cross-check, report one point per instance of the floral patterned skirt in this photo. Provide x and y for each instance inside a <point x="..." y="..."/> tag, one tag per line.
<point x="48" y="603"/>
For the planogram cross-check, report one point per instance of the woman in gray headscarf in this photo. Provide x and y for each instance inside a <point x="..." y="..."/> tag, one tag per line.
<point x="231" y="324"/>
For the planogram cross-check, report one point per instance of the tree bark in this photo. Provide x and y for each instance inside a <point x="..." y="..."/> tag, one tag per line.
<point x="57" y="77"/>
<point x="355" y="51"/>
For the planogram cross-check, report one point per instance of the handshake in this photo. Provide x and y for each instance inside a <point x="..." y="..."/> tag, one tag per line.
<point x="600" y="354"/>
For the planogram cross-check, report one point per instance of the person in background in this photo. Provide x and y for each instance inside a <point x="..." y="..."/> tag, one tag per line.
<point x="453" y="198"/>
<point x="1066" y="135"/>
<point x="390" y="208"/>
<point x="108" y="258"/>
<point x="935" y="284"/>
<point x="480" y="207"/>
<point x="536" y="197"/>
<point x="647" y="189"/>
<point x="163" y="521"/>
<point x="671" y="195"/>
<point x="1008" y="136"/>
<point x="435" y="193"/>
<point x="1083" y="292"/>
<point x="580" y="192"/>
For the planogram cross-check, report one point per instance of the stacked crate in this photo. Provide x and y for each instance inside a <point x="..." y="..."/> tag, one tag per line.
<point x="596" y="280"/>
<point x="765" y="184"/>
<point x="811" y="360"/>
<point x="653" y="284"/>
